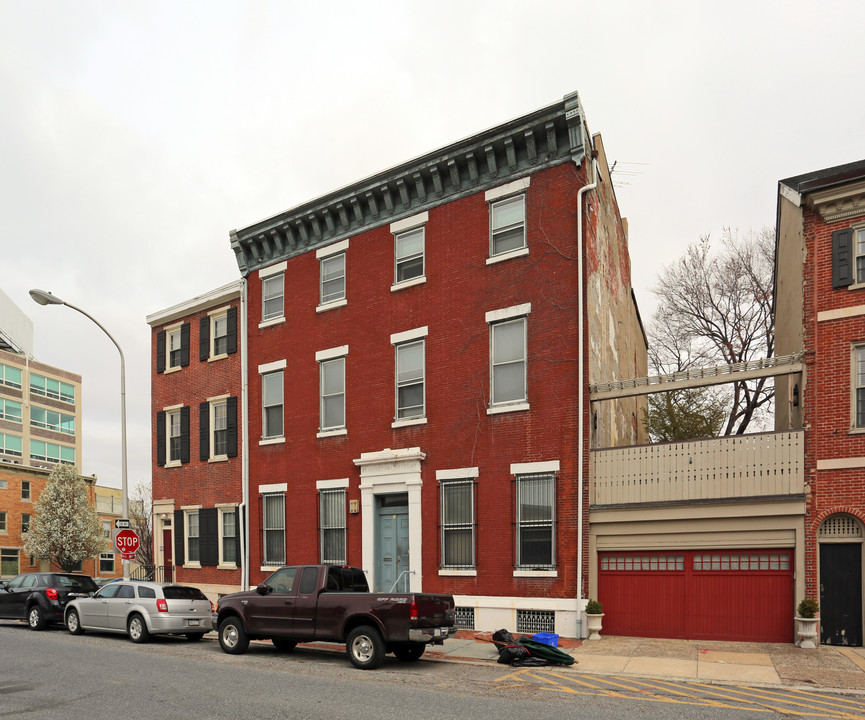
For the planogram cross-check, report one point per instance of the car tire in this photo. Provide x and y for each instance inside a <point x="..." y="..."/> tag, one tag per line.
<point x="365" y="647"/>
<point x="283" y="645"/>
<point x="409" y="652"/>
<point x="194" y="637"/>
<point x="73" y="623"/>
<point x="36" y="618"/>
<point x="137" y="629"/>
<point x="232" y="636"/>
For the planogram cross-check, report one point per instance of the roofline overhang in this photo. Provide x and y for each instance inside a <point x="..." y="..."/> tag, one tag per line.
<point x="209" y="299"/>
<point x="553" y="135"/>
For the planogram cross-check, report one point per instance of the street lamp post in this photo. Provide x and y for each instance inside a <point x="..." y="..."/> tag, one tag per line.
<point x="46" y="298"/>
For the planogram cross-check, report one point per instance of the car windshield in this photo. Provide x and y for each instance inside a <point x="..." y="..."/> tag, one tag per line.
<point x="180" y="592"/>
<point x="75" y="583"/>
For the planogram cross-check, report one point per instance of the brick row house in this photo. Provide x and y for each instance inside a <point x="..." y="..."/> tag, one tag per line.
<point x="417" y="353"/>
<point x="820" y="313"/>
<point x="197" y="460"/>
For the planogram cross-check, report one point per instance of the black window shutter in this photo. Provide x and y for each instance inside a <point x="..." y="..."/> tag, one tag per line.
<point x="842" y="258"/>
<point x="160" y="351"/>
<point x="208" y="536"/>
<point x="184" y="434"/>
<point x="231" y="335"/>
<point x="179" y="538"/>
<point x="204" y="339"/>
<point x="160" y="438"/>
<point x="231" y="425"/>
<point x="184" y="345"/>
<point x="204" y="431"/>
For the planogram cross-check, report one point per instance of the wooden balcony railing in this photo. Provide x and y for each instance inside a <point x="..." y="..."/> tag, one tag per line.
<point x="740" y="466"/>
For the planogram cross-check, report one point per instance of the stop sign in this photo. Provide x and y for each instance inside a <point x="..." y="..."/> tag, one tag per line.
<point x="127" y="543"/>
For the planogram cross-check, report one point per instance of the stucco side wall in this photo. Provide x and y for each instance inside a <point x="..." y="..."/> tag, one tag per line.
<point x="616" y="343"/>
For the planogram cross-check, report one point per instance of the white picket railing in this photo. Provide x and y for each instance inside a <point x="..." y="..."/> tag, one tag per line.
<point x="758" y="465"/>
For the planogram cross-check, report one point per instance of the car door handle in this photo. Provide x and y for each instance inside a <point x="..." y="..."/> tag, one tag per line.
<point x="289" y="602"/>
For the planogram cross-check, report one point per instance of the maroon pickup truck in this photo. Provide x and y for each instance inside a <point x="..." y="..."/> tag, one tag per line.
<point x="332" y="603"/>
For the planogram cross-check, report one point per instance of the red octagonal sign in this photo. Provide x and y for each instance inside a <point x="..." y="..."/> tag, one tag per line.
<point x="127" y="543"/>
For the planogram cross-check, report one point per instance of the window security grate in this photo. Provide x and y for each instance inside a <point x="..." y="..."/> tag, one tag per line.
<point x="465" y="618"/>
<point x="535" y="621"/>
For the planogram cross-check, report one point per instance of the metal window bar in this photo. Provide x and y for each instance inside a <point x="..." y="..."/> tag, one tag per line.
<point x="535" y="621"/>
<point x="535" y="521"/>
<point x="273" y="528"/>
<point x="464" y="618"/>
<point x="332" y="507"/>
<point x="458" y="524"/>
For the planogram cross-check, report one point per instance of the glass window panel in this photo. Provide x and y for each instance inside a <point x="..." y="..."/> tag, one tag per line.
<point x="333" y="278"/>
<point x="273" y="291"/>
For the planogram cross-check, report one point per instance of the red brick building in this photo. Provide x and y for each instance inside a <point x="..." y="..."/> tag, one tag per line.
<point x="820" y="312"/>
<point x="419" y="351"/>
<point x="196" y="388"/>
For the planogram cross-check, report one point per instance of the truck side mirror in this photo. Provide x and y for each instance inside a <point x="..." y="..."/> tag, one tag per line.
<point x="263" y="589"/>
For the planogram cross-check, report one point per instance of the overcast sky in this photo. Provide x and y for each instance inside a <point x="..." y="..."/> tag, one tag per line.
<point x="135" y="135"/>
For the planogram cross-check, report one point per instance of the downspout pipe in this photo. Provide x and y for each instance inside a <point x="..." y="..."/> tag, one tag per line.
<point x="581" y="385"/>
<point x="244" y="404"/>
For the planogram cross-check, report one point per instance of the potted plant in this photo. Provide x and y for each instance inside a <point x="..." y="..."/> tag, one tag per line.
<point x="806" y="623"/>
<point x="594" y="615"/>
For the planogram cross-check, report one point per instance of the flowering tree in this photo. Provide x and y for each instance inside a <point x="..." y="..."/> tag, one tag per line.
<point x="65" y="528"/>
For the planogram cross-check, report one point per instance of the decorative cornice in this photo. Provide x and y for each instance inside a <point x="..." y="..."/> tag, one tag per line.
<point x="839" y="203"/>
<point x="547" y="137"/>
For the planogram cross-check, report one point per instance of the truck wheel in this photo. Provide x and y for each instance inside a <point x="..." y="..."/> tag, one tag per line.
<point x="365" y="647"/>
<point x="232" y="637"/>
<point x="409" y="652"/>
<point x="283" y="644"/>
<point x="73" y="623"/>
<point x="36" y="618"/>
<point x="137" y="629"/>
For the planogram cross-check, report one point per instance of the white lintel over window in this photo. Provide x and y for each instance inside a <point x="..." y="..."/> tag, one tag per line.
<point x="274" y="488"/>
<point x="457" y="473"/>
<point x="337" y="247"/>
<point x="409" y="222"/>
<point x="494" y="316"/>
<point x="271" y="367"/>
<point x="273" y="269"/>
<point x="511" y="188"/>
<point x="331" y="484"/>
<point x="409" y="335"/>
<point x="532" y="468"/>
<point x="331" y="353"/>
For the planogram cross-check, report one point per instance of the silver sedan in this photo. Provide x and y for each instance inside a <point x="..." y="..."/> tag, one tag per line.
<point x="141" y="609"/>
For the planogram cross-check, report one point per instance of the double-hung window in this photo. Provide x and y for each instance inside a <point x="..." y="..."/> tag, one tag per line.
<point x="859" y="247"/>
<point x="457" y="518"/>
<point x="273" y="292"/>
<point x="228" y="536"/>
<point x="25" y="490"/>
<point x="172" y="348"/>
<point x="332" y="519"/>
<point x="536" y="521"/>
<point x="508" y="358"/>
<point x="192" y="535"/>
<point x="175" y="348"/>
<point x="332" y="290"/>
<point x="175" y="436"/>
<point x="508" y="220"/>
<point x="272" y="379"/>
<point x="273" y="528"/>
<point x="410" y="362"/>
<point x="219" y="428"/>
<point x="332" y="389"/>
<point x="25" y="523"/>
<point x="409" y="241"/>
<point x="858" y="387"/>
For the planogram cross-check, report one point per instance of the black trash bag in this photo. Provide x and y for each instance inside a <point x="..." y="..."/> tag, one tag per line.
<point x="514" y="653"/>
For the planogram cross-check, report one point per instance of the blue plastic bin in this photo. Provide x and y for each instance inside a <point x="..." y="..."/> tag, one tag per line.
<point x="547" y="639"/>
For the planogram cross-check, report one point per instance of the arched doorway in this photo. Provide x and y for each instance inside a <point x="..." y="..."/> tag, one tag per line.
<point x="840" y="541"/>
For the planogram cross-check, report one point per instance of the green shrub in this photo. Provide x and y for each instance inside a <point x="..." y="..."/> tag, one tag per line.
<point x="594" y="608"/>
<point x="807" y="608"/>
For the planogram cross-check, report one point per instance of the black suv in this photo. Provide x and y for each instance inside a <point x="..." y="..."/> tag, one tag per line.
<point x="40" y="598"/>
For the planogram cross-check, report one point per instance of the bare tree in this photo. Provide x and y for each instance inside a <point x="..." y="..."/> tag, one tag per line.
<point x="141" y="520"/>
<point x="716" y="309"/>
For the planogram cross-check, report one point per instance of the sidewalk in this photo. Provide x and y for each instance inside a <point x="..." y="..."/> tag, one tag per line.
<point x="690" y="660"/>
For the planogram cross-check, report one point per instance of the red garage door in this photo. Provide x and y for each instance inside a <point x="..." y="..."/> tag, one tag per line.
<point x="698" y="595"/>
